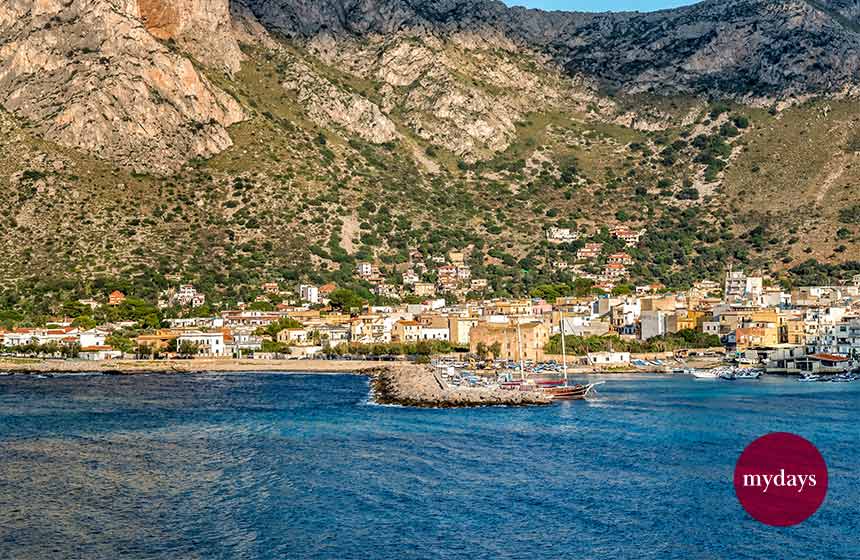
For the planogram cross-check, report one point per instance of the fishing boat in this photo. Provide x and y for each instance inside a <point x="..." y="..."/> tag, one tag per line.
<point x="705" y="373"/>
<point x="736" y="374"/>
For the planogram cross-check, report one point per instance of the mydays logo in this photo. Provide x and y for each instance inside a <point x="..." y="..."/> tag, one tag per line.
<point x="798" y="481"/>
<point x="781" y="479"/>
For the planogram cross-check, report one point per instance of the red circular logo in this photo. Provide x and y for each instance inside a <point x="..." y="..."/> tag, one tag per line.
<point x="781" y="479"/>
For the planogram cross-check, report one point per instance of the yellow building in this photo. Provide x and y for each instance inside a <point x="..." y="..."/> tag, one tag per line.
<point x="406" y="331"/>
<point x="663" y="303"/>
<point x="459" y="328"/>
<point x="688" y="320"/>
<point x="157" y="341"/>
<point x="512" y="307"/>
<point x="304" y="315"/>
<point x="793" y="330"/>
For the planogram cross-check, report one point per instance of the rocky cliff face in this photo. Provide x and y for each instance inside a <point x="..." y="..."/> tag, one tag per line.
<point x="88" y="74"/>
<point x="202" y="28"/>
<point x="748" y="49"/>
<point x="126" y="79"/>
<point x="464" y="93"/>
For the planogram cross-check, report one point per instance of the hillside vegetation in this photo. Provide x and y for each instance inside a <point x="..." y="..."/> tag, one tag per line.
<point x="336" y="163"/>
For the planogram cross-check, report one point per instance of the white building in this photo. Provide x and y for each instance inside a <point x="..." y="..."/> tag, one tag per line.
<point x="210" y="344"/>
<point x="609" y="358"/>
<point x="309" y="294"/>
<point x="842" y="339"/>
<point x="92" y="338"/>
<point x="561" y="235"/>
<point x="653" y="324"/>
<point x="188" y="296"/>
<point x="434" y="333"/>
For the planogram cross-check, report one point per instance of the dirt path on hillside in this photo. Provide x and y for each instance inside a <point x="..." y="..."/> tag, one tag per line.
<point x="834" y="169"/>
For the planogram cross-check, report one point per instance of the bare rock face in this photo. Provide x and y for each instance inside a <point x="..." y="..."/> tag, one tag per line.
<point x="88" y="74"/>
<point x="329" y="105"/>
<point x="464" y="92"/>
<point x="202" y="28"/>
<point x="747" y="49"/>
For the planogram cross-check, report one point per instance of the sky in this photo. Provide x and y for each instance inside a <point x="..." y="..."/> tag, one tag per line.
<point x="600" y="5"/>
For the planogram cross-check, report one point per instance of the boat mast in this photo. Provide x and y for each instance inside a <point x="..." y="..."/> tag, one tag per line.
<point x="563" y="350"/>
<point x="520" y="350"/>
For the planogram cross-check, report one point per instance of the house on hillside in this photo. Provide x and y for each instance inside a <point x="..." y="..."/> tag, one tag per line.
<point x="424" y="289"/>
<point x="309" y="294"/>
<point x="630" y="237"/>
<point x="557" y="235"/>
<point x="620" y="258"/>
<point x="615" y="270"/>
<point x="589" y="252"/>
<point x="270" y="288"/>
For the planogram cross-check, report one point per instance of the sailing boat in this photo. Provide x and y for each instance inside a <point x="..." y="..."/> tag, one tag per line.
<point x="568" y="391"/>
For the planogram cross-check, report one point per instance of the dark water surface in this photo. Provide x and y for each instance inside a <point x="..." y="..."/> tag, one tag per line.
<point x="267" y="466"/>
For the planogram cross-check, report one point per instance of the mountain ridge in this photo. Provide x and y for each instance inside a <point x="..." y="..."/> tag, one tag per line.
<point x="266" y="154"/>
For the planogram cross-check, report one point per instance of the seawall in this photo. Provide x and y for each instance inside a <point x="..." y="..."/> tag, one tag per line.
<point x="419" y="386"/>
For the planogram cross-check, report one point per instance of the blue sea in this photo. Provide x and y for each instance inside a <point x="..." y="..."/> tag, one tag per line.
<point x="277" y="466"/>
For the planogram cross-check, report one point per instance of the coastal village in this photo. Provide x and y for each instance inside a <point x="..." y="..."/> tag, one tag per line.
<point x="744" y="318"/>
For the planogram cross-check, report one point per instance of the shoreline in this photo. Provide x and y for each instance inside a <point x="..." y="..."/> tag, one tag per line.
<point x="223" y="365"/>
<point x="139" y="367"/>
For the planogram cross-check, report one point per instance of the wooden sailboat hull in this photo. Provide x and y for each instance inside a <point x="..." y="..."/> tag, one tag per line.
<point x="574" y="392"/>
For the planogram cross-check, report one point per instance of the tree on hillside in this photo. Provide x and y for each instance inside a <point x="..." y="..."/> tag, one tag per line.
<point x="272" y="329"/>
<point x="346" y="300"/>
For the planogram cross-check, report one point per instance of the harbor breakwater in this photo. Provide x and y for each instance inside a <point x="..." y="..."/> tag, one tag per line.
<point x="420" y="386"/>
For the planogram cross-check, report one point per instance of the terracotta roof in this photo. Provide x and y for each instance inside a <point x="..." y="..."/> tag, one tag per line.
<point x="830" y="357"/>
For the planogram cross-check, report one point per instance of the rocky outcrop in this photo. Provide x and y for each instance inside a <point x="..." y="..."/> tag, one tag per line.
<point x="748" y="49"/>
<point x="202" y="28"/>
<point x="122" y="78"/>
<point x="418" y="386"/>
<point x="327" y="105"/>
<point x="464" y="93"/>
<point x="87" y="73"/>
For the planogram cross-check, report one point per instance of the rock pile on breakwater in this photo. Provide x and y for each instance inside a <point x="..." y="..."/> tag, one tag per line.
<point x="419" y="386"/>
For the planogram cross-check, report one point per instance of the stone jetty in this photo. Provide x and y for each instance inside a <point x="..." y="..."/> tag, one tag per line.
<point x="420" y="386"/>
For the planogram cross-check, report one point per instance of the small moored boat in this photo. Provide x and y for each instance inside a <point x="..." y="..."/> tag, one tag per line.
<point x="570" y="392"/>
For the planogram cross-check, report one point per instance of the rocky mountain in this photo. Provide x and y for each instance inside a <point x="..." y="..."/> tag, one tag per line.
<point x="748" y="49"/>
<point x="229" y="142"/>
<point x="122" y="78"/>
